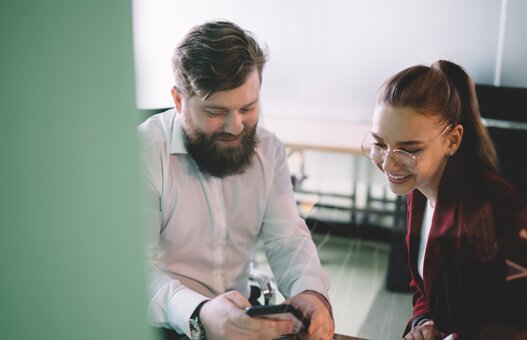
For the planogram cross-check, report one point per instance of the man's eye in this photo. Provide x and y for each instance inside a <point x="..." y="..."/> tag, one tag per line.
<point x="379" y="145"/>
<point x="214" y="113"/>
<point x="246" y="109"/>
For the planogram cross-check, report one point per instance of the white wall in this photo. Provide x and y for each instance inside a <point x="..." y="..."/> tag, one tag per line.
<point x="329" y="57"/>
<point x="514" y="71"/>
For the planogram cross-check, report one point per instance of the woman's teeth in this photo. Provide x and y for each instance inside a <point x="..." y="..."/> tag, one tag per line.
<point x="398" y="178"/>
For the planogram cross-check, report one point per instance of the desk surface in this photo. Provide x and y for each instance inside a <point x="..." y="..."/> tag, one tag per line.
<point x="333" y="136"/>
<point x="335" y="337"/>
<point x="345" y="337"/>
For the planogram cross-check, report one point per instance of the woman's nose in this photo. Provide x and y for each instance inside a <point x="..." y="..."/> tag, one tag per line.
<point x="389" y="164"/>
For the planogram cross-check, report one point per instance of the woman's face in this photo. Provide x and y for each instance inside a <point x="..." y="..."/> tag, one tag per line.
<point x="421" y="135"/>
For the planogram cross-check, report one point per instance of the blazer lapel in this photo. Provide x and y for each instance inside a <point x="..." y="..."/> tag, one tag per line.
<point x="441" y="231"/>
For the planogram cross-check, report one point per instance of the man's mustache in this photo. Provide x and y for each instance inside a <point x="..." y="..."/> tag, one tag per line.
<point x="223" y="136"/>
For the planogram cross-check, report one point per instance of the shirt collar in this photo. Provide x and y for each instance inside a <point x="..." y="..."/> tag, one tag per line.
<point x="177" y="143"/>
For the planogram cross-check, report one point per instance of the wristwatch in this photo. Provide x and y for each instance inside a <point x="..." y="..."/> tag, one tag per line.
<point x="197" y="332"/>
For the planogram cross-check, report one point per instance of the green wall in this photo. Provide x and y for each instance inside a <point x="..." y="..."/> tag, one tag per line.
<point x="70" y="224"/>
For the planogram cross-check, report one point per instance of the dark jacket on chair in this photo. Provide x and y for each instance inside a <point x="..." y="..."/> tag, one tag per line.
<point x="478" y="234"/>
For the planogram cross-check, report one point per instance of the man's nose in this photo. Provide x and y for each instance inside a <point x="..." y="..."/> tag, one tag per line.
<point x="233" y="123"/>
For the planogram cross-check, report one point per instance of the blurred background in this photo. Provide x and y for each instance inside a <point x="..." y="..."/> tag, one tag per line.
<point x="78" y="77"/>
<point x="327" y="58"/>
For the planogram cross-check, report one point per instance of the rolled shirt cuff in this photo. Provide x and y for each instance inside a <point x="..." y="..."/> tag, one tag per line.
<point x="181" y="306"/>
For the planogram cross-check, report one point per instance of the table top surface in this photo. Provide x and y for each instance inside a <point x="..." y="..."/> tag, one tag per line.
<point x="335" y="337"/>
<point x="332" y="136"/>
<point x="345" y="337"/>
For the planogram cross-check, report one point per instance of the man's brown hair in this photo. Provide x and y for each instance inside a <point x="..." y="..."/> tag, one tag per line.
<point x="215" y="56"/>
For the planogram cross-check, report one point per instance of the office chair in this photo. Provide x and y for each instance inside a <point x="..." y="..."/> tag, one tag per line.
<point x="262" y="285"/>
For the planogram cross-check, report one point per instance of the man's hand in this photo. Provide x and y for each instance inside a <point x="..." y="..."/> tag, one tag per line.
<point x="425" y="331"/>
<point x="223" y="317"/>
<point x="317" y="309"/>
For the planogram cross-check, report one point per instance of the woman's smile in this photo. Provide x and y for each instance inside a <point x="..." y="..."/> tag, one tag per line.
<point x="397" y="179"/>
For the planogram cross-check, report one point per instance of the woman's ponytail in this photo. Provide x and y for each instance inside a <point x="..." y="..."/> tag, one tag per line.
<point x="477" y="146"/>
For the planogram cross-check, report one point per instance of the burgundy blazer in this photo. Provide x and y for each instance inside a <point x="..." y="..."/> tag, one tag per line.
<point x="479" y="226"/>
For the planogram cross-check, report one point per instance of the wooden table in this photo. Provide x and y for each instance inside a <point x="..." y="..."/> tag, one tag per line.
<point x="345" y="337"/>
<point x="301" y="135"/>
<point x="335" y="337"/>
<point x="312" y="134"/>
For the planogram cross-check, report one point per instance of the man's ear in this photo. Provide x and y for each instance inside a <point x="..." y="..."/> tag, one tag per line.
<point x="178" y="99"/>
<point x="455" y="137"/>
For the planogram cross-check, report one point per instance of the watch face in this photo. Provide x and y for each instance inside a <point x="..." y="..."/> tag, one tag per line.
<point x="196" y="330"/>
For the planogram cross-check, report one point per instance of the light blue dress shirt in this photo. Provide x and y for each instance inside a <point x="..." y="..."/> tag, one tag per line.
<point x="203" y="230"/>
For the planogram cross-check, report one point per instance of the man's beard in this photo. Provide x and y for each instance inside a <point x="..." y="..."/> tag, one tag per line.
<point x="216" y="160"/>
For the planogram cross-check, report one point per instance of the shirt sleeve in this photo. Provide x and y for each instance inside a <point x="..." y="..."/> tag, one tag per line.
<point x="171" y="299"/>
<point x="289" y="248"/>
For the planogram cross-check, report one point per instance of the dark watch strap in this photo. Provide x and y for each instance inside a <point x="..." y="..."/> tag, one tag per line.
<point x="197" y="332"/>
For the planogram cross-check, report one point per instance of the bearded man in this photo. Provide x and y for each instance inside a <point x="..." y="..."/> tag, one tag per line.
<point x="217" y="184"/>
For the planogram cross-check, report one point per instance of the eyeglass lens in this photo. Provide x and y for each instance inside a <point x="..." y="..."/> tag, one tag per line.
<point x="377" y="155"/>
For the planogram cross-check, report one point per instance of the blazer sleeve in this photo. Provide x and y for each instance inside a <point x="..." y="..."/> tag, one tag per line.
<point x="420" y="308"/>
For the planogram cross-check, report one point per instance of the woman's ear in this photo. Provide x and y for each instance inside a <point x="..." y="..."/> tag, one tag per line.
<point x="454" y="138"/>
<point x="177" y="98"/>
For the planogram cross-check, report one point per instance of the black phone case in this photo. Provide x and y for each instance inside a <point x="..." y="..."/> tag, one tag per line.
<point x="277" y="309"/>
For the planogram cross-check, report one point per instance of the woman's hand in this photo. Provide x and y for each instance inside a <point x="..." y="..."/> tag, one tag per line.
<point x="425" y="331"/>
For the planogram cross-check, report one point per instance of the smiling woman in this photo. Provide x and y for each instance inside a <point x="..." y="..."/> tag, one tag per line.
<point x="418" y="144"/>
<point x="465" y="223"/>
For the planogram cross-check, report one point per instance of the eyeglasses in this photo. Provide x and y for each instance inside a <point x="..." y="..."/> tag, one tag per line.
<point x="377" y="152"/>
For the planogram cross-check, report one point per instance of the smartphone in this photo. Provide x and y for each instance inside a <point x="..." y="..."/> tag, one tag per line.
<point x="280" y="312"/>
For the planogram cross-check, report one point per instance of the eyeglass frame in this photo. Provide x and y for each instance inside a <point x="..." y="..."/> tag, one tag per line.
<point x="387" y="152"/>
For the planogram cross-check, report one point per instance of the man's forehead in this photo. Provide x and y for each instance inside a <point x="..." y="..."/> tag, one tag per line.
<point x="225" y="104"/>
